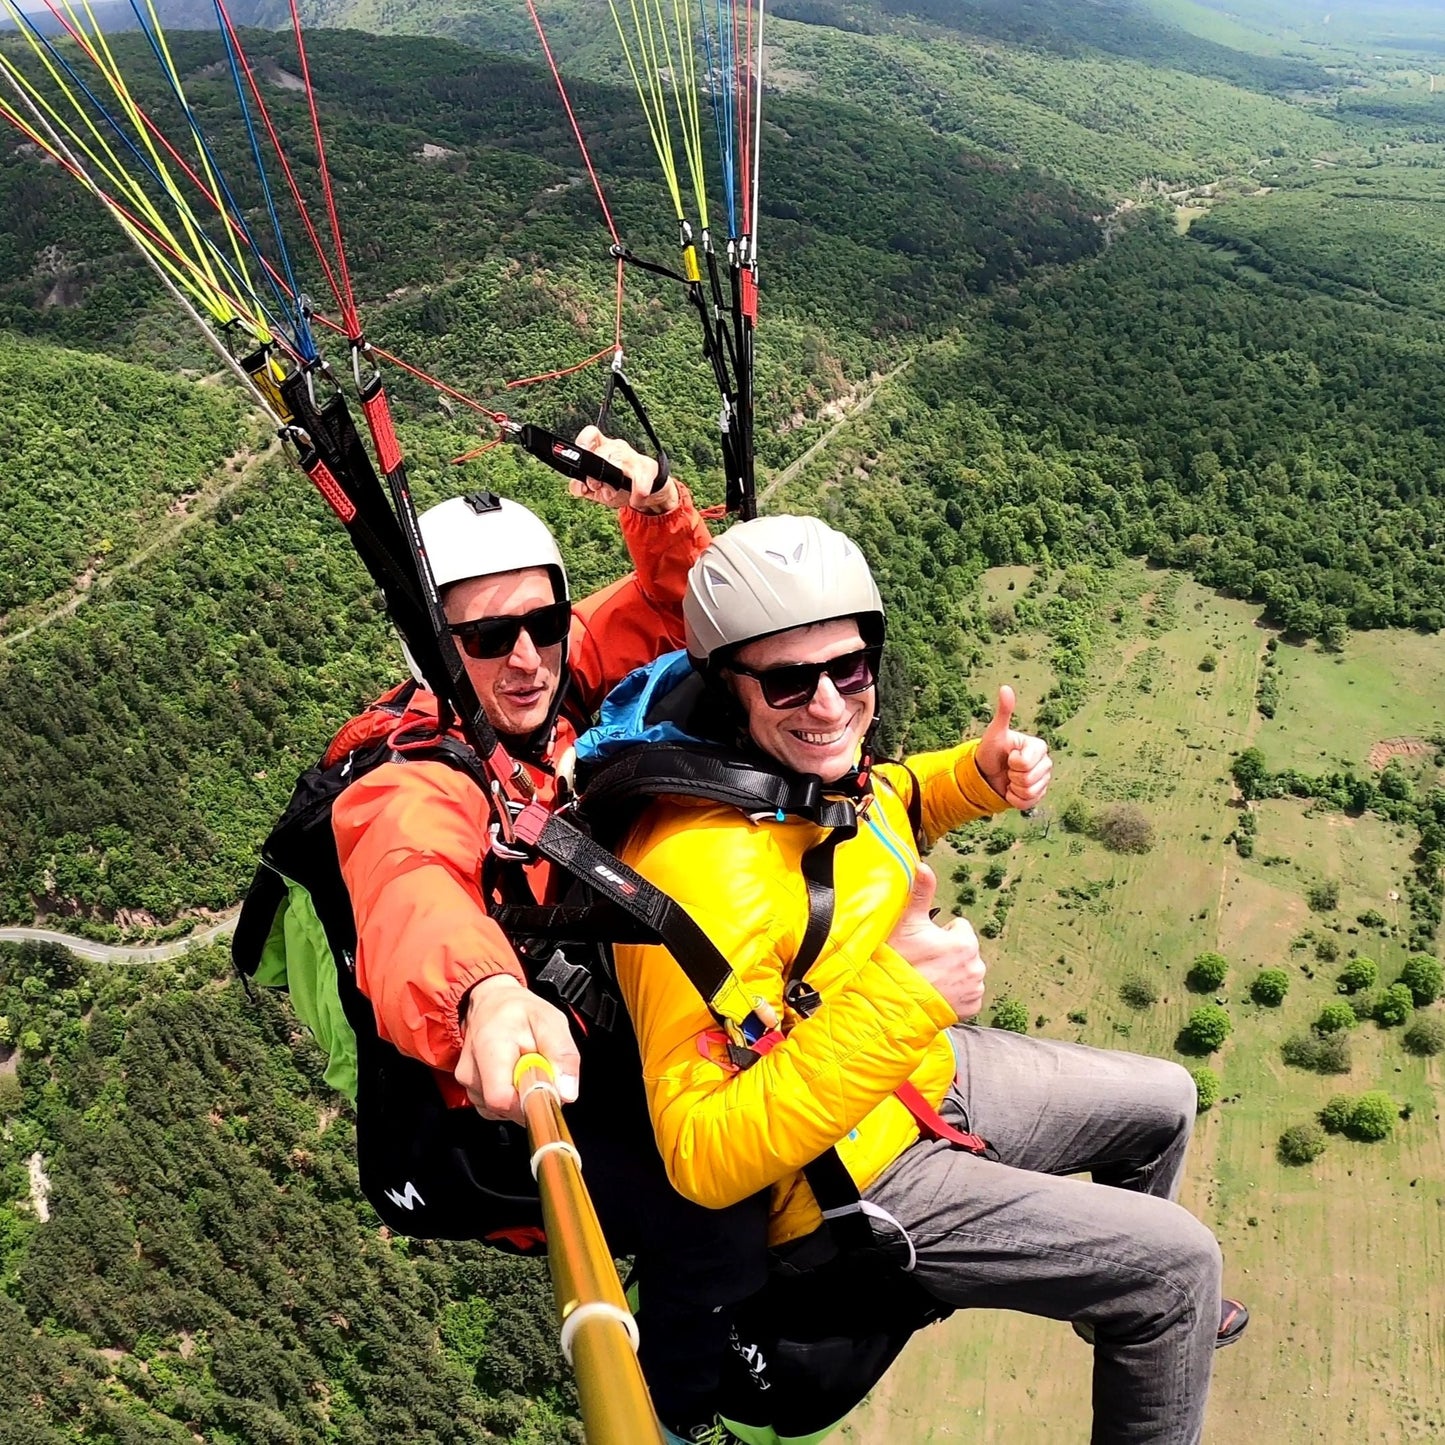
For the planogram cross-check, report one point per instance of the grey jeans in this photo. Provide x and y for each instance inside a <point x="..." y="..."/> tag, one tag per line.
<point x="1118" y="1254"/>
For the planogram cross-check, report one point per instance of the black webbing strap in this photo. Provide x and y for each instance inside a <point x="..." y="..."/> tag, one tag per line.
<point x="697" y="772"/>
<point x="818" y="874"/>
<point x="567" y="846"/>
<point x="837" y="1196"/>
<point x="598" y="922"/>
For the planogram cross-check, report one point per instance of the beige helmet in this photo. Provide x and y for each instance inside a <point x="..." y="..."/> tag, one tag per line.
<point x="772" y="574"/>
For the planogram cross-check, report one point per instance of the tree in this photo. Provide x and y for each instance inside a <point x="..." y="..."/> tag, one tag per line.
<point x="995" y="875"/>
<point x="1251" y="773"/>
<point x="1396" y="1005"/>
<point x="1425" y="1037"/>
<point x="1207" y="1029"/>
<point x="1320" y="1053"/>
<point x="1335" y="1116"/>
<point x="1010" y="1014"/>
<point x="1077" y="817"/>
<point x="1424" y="977"/>
<point x="1324" y="896"/>
<point x="1358" y="975"/>
<point x="1269" y="987"/>
<point x="1139" y="991"/>
<point x="1301" y="1144"/>
<point x="1207" y="972"/>
<point x="1206" y="1088"/>
<point x="1373" y="1116"/>
<point x="1335" y="1017"/>
<point x="1124" y="828"/>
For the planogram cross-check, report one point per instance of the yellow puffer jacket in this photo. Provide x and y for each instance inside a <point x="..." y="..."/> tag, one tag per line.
<point x="725" y="1135"/>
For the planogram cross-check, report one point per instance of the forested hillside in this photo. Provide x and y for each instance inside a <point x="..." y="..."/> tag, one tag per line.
<point x="206" y="1267"/>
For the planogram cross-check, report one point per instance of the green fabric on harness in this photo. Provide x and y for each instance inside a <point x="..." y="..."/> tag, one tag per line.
<point x="298" y="958"/>
<point x="760" y="1435"/>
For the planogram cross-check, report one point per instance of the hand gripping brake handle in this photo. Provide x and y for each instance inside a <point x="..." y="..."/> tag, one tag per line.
<point x="578" y="465"/>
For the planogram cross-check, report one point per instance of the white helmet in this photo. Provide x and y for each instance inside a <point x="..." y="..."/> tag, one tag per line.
<point x="772" y="574"/>
<point x="481" y="535"/>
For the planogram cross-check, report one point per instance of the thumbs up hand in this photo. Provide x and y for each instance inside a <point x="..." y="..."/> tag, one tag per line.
<point x="1016" y="765"/>
<point x="947" y="957"/>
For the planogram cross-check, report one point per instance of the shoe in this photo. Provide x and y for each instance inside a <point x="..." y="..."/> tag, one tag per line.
<point x="1233" y="1317"/>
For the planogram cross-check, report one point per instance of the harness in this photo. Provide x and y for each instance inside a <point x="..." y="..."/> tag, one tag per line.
<point x="634" y="910"/>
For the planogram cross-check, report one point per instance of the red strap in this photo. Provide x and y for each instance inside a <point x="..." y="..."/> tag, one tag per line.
<point x="932" y="1124"/>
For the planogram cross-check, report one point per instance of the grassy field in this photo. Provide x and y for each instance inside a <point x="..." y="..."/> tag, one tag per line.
<point x="1342" y="1262"/>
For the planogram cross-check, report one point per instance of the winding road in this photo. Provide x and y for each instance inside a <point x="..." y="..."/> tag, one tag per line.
<point x="119" y="952"/>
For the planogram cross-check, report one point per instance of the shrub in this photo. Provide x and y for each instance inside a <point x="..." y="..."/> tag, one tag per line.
<point x="1373" y="1116"/>
<point x="11" y="1096"/>
<point x="1270" y="987"/>
<point x="1335" y="1116"/>
<point x="1425" y="1037"/>
<point x="1324" y="897"/>
<point x="961" y="873"/>
<point x="1326" y="950"/>
<point x="1078" y="1016"/>
<point x="1334" y="1017"/>
<point x="1077" y="817"/>
<point x="1000" y="840"/>
<point x="1208" y="662"/>
<point x="1359" y="974"/>
<point x="1001" y="619"/>
<point x="1319" y="1053"/>
<point x="1139" y="991"/>
<point x="1010" y="1014"/>
<point x="1424" y="977"/>
<point x="1124" y="828"/>
<point x="1372" y="918"/>
<point x="1207" y="972"/>
<point x="1301" y="1144"/>
<point x="1207" y="1029"/>
<point x="1206" y="1087"/>
<point x="995" y="876"/>
<point x="1396" y="1005"/>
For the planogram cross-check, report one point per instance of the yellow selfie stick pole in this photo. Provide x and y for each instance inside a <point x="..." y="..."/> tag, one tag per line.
<point x="599" y="1335"/>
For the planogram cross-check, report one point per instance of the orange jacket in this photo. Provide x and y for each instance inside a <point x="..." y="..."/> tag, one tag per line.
<point x="411" y="836"/>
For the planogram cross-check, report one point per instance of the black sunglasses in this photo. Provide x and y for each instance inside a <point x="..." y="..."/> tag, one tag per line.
<point x="497" y="636"/>
<point x="794" y="683"/>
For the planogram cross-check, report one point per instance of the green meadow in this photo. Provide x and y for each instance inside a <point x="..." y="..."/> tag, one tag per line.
<point x="1365" y="1223"/>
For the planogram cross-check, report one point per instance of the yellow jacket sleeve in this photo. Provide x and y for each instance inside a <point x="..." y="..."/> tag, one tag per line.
<point x="952" y="789"/>
<point x="725" y="1135"/>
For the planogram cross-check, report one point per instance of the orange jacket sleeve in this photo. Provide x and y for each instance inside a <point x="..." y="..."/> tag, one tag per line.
<point x="637" y="619"/>
<point x="411" y="838"/>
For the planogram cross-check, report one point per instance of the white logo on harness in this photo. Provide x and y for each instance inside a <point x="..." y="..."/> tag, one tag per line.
<point x="407" y="1200"/>
<point x="754" y="1359"/>
<point x="615" y="879"/>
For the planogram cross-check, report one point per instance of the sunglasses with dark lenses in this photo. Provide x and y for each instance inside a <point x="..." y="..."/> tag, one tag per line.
<point x="794" y="683"/>
<point x="496" y="636"/>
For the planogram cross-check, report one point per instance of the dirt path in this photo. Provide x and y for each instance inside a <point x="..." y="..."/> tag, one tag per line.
<point x="202" y="505"/>
<point x="863" y="403"/>
<point x="118" y="952"/>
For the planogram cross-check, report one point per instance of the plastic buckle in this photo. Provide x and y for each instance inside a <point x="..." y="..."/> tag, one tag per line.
<point x="802" y="998"/>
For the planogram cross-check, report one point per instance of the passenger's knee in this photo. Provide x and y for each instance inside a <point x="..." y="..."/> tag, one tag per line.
<point x="1197" y="1259"/>
<point x="1175" y="1096"/>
